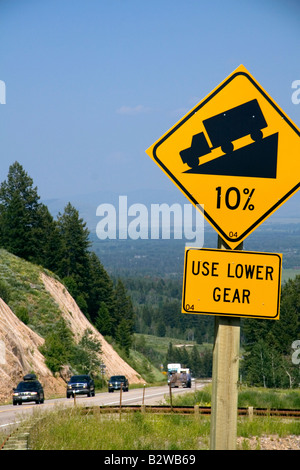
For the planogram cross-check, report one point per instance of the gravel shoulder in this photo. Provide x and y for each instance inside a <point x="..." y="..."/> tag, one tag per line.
<point x="273" y="442"/>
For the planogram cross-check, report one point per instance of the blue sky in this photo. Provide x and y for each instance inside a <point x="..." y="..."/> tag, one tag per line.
<point x="91" y="84"/>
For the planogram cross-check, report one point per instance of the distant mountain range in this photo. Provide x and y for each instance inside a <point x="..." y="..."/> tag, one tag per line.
<point x="87" y="204"/>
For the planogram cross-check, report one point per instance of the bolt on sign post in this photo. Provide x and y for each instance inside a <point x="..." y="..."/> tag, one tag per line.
<point x="235" y="156"/>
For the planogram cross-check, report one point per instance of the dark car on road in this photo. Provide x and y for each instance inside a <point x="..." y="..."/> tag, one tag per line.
<point x="116" y="381"/>
<point x="28" y="390"/>
<point x="81" y="385"/>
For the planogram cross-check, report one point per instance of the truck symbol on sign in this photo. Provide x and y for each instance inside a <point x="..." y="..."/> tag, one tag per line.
<point x="223" y="129"/>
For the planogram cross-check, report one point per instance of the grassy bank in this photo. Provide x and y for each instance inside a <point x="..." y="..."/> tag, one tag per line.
<point x="134" y="431"/>
<point x="72" y="430"/>
<point x="23" y="290"/>
<point x="256" y="397"/>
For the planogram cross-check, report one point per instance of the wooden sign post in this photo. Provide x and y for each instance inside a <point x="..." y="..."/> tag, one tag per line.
<point x="223" y="424"/>
<point x="235" y="156"/>
<point x="229" y="284"/>
<point x="226" y="350"/>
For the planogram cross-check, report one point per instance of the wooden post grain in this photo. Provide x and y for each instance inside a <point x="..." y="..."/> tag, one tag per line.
<point x="223" y="433"/>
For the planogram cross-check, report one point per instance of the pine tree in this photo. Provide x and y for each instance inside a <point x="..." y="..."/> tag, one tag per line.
<point x="124" y="335"/>
<point x="184" y="357"/>
<point x="58" y="346"/>
<point x="103" y="321"/>
<point x="19" y="214"/>
<point x="195" y="362"/>
<point x="123" y="312"/>
<point x="100" y="288"/>
<point x="287" y="328"/>
<point x="161" y="329"/>
<point x="50" y="252"/>
<point x="86" y="354"/>
<point x="170" y="357"/>
<point x="74" y="264"/>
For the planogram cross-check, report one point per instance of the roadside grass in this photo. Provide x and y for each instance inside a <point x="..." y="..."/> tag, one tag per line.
<point x="256" y="397"/>
<point x="264" y="398"/>
<point x="71" y="429"/>
<point x="267" y="425"/>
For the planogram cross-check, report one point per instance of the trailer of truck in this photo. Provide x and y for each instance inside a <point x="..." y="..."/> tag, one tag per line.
<point x="178" y="376"/>
<point x="223" y="129"/>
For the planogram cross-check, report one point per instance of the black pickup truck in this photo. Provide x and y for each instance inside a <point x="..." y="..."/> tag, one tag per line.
<point x="81" y="385"/>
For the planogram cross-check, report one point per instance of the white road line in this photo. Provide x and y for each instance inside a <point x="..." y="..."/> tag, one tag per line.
<point x="9" y="424"/>
<point x="135" y="398"/>
<point x="146" y="396"/>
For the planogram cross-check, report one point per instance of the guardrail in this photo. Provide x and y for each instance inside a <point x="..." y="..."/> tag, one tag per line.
<point x="18" y="439"/>
<point x="196" y="409"/>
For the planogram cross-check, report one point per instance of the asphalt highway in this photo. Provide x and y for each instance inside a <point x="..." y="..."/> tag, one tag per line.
<point x="11" y="415"/>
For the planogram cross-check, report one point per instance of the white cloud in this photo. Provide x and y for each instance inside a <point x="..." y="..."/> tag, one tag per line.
<point x="132" y="110"/>
<point x="179" y="112"/>
<point x="192" y="102"/>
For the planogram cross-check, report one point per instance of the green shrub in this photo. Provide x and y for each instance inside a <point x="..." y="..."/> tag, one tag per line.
<point x="4" y="291"/>
<point x="22" y="314"/>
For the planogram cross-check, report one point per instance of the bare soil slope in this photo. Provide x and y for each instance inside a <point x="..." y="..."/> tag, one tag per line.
<point x="78" y="323"/>
<point x="19" y="346"/>
<point x="19" y="355"/>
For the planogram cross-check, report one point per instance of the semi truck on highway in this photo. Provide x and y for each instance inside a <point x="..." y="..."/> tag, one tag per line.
<point x="224" y="128"/>
<point x="178" y="376"/>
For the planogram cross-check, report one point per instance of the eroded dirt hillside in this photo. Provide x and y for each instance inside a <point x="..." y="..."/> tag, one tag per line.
<point x="19" y="346"/>
<point x="19" y="355"/>
<point x="78" y="323"/>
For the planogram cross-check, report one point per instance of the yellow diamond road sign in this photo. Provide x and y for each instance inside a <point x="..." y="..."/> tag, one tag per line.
<point x="232" y="283"/>
<point x="235" y="156"/>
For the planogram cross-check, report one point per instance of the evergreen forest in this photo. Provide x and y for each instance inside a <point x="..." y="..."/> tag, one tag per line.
<point x="136" y="286"/>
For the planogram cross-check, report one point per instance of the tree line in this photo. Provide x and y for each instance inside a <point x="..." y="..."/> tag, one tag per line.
<point x="157" y="304"/>
<point x="199" y="363"/>
<point x="268" y="345"/>
<point x="61" y="245"/>
<point x="28" y="230"/>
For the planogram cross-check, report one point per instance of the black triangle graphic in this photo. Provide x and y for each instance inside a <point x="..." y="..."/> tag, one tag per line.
<point x="258" y="160"/>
